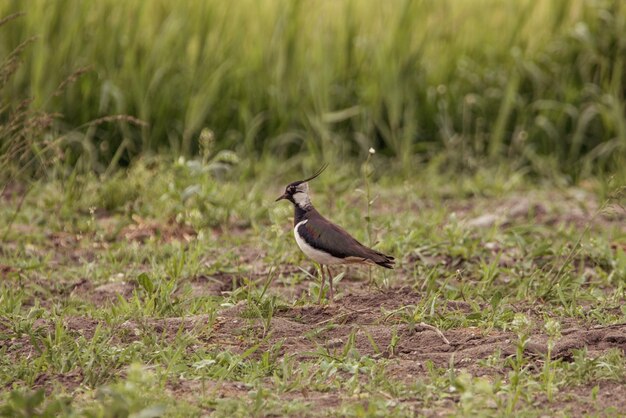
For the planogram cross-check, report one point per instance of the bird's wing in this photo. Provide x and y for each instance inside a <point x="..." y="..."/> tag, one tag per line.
<point x="328" y="237"/>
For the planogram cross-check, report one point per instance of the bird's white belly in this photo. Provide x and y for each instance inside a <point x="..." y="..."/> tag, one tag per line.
<point x="314" y="254"/>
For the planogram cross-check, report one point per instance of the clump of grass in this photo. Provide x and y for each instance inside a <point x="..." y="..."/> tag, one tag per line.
<point x="22" y="128"/>
<point x="521" y="325"/>
<point x="33" y="144"/>
<point x="553" y="329"/>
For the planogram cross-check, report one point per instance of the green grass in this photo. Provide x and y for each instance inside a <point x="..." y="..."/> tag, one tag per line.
<point x="151" y="300"/>
<point x="146" y="271"/>
<point x="537" y="84"/>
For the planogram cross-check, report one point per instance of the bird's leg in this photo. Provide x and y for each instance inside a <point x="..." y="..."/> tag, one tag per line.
<point x="331" y="293"/>
<point x="321" y="292"/>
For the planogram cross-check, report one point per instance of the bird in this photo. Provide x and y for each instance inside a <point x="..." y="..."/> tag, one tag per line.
<point x="323" y="241"/>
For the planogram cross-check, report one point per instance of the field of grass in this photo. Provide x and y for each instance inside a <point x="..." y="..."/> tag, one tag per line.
<point x="540" y="83"/>
<point x="145" y="269"/>
<point x="176" y="290"/>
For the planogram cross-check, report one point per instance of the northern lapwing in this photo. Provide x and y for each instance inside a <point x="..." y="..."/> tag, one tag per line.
<point x="323" y="241"/>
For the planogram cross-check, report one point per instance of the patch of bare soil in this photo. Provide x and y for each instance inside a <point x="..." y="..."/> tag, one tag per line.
<point x="217" y="284"/>
<point x="575" y="206"/>
<point x="80" y="326"/>
<point x="62" y="240"/>
<point x="145" y="229"/>
<point x="220" y="283"/>
<point x="304" y="331"/>
<point x="42" y="291"/>
<point x="48" y="381"/>
<point x="579" y="401"/>
<point x="105" y="293"/>
<point x="19" y="344"/>
<point x="5" y="270"/>
<point x="189" y="390"/>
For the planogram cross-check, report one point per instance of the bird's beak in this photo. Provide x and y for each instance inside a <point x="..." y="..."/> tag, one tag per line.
<point x="284" y="196"/>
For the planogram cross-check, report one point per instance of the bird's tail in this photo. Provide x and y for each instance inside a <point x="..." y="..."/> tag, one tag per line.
<point x="382" y="260"/>
<point x="388" y="263"/>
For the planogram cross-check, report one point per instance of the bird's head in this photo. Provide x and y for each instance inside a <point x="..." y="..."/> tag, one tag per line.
<point x="298" y="191"/>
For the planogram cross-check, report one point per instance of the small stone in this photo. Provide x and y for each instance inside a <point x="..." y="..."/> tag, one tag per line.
<point x="335" y="342"/>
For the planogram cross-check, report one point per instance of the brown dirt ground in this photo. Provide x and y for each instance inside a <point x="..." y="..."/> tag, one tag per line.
<point x="304" y="330"/>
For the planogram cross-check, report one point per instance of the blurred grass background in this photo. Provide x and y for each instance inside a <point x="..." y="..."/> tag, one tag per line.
<point x="537" y="85"/>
